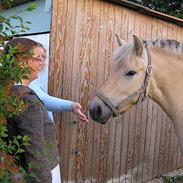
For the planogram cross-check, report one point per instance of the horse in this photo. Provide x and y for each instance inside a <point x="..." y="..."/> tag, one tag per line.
<point x="139" y="69"/>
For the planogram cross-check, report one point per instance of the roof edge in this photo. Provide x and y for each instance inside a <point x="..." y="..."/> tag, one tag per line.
<point x="148" y="11"/>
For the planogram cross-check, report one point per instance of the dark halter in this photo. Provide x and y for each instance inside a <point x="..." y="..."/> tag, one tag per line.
<point x="141" y="92"/>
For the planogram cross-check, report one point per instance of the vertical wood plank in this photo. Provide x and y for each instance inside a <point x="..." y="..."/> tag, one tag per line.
<point x="58" y="81"/>
<point x="151" y="33"/>
<point x="77" y="92"/>
<point x="68" y="81"/>
<point x="102" y="63"/>
<point x="138" y="120"/>
<point x="142" y="160"/>
<point x="111" y="125"/>
<point x="119" y="121"/>
<point x="53" y="37"/>
<point x="131" y="132"/>
<point x="96" y="127"/>
<point x="125" y="117"/>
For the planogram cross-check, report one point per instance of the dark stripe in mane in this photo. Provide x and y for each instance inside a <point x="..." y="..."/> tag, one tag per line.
<point x="169" y="44"/>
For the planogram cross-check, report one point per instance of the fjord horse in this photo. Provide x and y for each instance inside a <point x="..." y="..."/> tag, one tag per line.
<point x="140" y="69"/>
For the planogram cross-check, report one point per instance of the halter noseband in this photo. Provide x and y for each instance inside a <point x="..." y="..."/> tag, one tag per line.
<point x="141" y="92"/>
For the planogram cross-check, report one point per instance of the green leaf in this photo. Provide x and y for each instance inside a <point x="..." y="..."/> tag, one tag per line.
<point x="22" y="170"/>
<point x="31" y="7"/>
<point x="19" y="137"/>
<point x="20" y="19"/>
<point x="13" y="17"/>
<point x="32" y="174"/>
<point x="1" y="27"/>
<point x="22" y="30"/>
<point x="30" y="165"/>
<point x="25" y="77"/>
<point x="28" y="22"/>
<point x="20" y="150"/>
<point x="15" y="141"/>
<point x="26" y="144"/>
<point x="2" y="19"/>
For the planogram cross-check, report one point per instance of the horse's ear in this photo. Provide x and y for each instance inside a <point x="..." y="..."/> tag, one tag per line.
<point x="138" y="45"/>
<point x="119" y="41"/>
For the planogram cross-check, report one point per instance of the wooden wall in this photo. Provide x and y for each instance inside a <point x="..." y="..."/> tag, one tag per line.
<point x="133" y="148"/>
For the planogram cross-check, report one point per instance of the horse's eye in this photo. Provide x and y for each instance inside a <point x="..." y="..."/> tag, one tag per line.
<point x="131" y="73"/>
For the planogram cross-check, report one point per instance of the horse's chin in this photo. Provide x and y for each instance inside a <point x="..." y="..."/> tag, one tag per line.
<point x="103" y="120"/>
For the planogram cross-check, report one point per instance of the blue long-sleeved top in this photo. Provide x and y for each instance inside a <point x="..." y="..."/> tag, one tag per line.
<point x="52" y="104"/>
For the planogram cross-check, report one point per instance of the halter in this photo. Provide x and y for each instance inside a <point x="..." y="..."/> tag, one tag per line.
<point x="141" y="92"/>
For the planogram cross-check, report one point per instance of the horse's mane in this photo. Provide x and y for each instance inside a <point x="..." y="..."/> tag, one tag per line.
<point x="124" y="53"/>
<point x="166" y="44"/>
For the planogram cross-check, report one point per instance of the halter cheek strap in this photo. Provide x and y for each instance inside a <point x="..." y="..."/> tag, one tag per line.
<point x="141" y="93"/>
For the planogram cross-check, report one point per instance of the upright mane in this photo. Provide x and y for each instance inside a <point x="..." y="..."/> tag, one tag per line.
<point x="166" y="44"/>
<point x="124" y="54"/>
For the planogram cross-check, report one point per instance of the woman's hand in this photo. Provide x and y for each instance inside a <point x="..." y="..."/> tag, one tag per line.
<point x="76" y="107"/>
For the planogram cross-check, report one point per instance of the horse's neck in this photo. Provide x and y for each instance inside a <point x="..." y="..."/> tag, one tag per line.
<point x="166" y="86"/>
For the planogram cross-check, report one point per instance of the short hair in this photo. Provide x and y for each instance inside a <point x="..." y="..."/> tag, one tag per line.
<point x="25" y="43"/>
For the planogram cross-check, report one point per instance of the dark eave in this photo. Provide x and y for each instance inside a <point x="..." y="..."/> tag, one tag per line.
<point x="148" y="11"/>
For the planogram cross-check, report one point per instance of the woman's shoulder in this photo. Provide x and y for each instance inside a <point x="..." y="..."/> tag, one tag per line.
<point x="34" y="83"/>
<point x="20" y="90"/>
<point x="36" y="86"/>
<point x="24" y="92"/>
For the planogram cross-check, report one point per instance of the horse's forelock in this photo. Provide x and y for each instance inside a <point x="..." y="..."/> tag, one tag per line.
<point x="123" y="54"/>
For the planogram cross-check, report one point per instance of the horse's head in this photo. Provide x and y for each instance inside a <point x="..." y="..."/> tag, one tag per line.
<point x="127" y="84"/>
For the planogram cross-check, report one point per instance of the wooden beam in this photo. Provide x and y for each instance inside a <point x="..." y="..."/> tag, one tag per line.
<point x="148" y="11"/>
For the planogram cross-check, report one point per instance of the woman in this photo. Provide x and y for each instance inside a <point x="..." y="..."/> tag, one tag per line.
<point x="36" y="62"/>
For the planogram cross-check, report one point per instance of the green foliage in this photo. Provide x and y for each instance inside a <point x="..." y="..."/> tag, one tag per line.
<point x="31" y="7"/>
<point x="6" y="177"/>
<point x="12" y="3"/>
<point x="16" y="146"/>
<point x="7" y="29"/>
<point x="10" y="68"/>
<point x="11" y="71"/>
<point x="175" y="179"/>
<point x="6" y="3"/>
<point x="173" y="8"/>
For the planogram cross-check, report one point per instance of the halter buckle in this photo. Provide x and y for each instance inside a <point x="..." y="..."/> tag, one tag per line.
<point x="149" y="70"/>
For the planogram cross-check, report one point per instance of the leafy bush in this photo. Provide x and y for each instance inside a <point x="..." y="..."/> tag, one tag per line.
<point x="11" y="71"/>
<point x="173" y="8"/>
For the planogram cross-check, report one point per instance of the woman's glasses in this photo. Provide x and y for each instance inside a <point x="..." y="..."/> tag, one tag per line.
<point x="40" y="58"/>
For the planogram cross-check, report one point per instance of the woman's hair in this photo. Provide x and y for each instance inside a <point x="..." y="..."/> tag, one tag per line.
<point x="23" y="43"/>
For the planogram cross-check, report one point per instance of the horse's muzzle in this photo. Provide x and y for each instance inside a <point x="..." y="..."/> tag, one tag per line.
<point x="99" y="111"/>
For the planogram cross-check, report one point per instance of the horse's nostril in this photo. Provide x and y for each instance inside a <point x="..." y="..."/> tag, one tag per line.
<point x="97" y="111"/>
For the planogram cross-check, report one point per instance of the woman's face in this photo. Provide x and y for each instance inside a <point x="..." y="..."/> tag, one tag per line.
<point x="37" y="61"/>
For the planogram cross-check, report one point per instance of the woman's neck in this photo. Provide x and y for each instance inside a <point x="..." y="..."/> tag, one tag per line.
<point x="26" y="82"/>
<point x="32" y="76"/>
